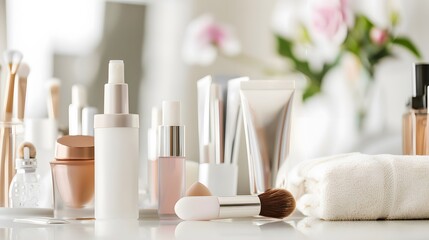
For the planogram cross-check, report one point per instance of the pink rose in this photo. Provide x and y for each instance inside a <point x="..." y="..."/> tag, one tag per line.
<point x="205" y="37"/>
<point x="331" y="18"/>
<point x="379" y="36"/>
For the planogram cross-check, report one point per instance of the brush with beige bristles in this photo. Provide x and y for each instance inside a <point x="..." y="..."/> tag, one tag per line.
<point x="53" y="87"/>
<point x="274" y="203"/>
<point x="21" y="91"/>
<point x="13" y="60"/>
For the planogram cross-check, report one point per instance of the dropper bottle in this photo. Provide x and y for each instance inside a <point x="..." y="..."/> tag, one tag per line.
<point x="116" y="142"/>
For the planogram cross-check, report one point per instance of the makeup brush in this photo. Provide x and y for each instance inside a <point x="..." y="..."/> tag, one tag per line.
<point x="274" y="203"/>
<point x="21" y="92"/>
<point x="53" y="87"/>
<point x="13" y="59"/>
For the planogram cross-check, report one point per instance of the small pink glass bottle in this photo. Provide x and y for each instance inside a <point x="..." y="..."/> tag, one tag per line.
<point x="171" y="161"/>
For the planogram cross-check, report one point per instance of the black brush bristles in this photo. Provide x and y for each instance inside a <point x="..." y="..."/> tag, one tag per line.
<point x="276" y="203"/>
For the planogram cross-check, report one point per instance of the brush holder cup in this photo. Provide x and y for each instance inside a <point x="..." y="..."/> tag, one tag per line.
<point x="11" y="135"/>
<point x="220" y="179"/>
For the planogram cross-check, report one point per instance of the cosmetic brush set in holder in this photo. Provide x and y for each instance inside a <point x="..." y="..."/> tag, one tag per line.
<point x="266" y="109"/>
<point x="219" y="126"/>
<point x="94" y="169"/>
<point x="11" y="129"/>
<point x="26" y="181"/>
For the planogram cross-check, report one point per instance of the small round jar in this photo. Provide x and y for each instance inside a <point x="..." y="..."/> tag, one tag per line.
<point x="73" y="177"/>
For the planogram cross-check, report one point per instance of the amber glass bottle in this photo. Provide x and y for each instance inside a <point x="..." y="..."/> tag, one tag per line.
<point x="414" y="122"/>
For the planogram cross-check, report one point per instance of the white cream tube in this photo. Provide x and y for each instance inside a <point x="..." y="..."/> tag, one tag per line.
<point x="116" y="151"/>
<point x="267" y="109"/>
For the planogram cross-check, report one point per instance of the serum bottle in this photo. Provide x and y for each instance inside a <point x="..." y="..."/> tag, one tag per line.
<point x="414" y="122"/>
<point x="116" y="142"/>
<point x="171" y="159"/>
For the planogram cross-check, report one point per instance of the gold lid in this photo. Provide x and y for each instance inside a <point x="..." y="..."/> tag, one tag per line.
<point x="75" y="148"/>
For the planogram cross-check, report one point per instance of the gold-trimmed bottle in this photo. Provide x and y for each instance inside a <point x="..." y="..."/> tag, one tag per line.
<point x="414" y="122"/>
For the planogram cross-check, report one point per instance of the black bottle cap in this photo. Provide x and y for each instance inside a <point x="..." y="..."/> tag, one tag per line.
<point x="420" y="83"/>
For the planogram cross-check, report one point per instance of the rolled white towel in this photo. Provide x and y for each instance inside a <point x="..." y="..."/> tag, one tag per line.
<point x="362" y="187"/>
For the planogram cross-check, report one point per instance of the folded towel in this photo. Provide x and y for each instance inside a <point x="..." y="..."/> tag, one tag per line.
<point x="362" y="187"/>
<point x="314" y="228"/>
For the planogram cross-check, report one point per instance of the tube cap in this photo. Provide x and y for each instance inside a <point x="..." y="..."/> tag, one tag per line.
<point x="420" y="83"/>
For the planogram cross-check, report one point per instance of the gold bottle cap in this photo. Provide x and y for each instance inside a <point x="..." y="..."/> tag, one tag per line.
<point x="75" y="148"/>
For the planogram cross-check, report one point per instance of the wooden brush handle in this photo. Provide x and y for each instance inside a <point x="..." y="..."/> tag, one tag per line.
<point x="8" y="108"/>
<point x="22" y="92"/>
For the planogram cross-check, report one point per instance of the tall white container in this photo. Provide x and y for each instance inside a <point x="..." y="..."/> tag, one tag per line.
<point x="116" y="152"/>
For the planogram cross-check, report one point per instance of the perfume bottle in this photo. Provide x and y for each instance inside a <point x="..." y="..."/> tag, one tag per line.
<point x="414" y="121"/>
<point x="24" y="188"/>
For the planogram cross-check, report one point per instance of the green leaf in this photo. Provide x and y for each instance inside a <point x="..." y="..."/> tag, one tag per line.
<point x="311" y="89"/>
<point x="407" y="44"/>
<point x="284" y="47"/>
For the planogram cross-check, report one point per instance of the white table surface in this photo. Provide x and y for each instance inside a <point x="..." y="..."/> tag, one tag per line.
<point x="150" y="227"/>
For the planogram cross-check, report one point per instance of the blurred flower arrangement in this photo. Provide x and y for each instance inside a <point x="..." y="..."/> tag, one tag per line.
<point x="314" y="36"/>
<point x="338" y="45"/>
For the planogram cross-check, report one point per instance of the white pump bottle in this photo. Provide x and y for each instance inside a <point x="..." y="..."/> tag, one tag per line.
<point x="116" y="151"/>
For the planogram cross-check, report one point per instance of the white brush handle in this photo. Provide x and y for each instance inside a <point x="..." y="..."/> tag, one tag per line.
<point x="210" y="207"/>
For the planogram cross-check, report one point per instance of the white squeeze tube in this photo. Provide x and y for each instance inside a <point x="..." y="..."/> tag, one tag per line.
<point x="116" y="151"/>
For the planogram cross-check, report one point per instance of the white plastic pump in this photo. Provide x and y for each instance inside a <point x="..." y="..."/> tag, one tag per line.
<point x="116" y="72"/>
<point x="116" y="90"/>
